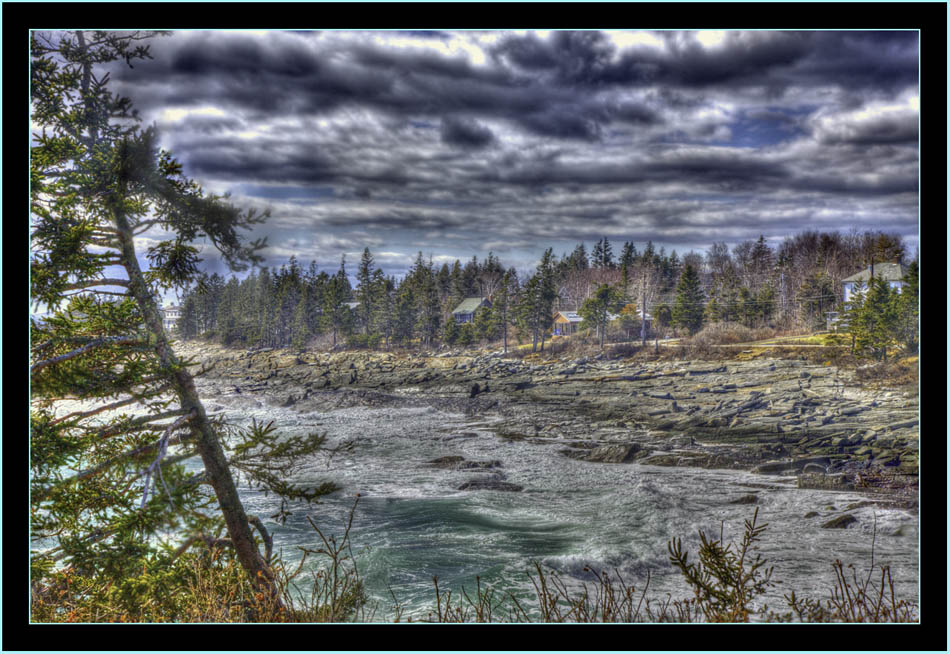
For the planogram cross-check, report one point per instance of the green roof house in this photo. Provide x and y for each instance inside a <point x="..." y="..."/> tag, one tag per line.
<point x="465" y="311"/>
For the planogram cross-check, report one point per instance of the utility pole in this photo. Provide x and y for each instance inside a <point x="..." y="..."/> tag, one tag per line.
<point x="643" y="313"/>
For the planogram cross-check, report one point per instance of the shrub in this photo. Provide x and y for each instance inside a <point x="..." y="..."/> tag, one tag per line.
<point x="363" y="341"/>
<point x="719" y="333"/>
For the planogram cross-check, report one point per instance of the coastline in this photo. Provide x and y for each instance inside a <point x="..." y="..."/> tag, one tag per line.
<point x="771" y="416"/>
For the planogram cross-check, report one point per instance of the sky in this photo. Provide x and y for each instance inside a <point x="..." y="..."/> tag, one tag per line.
<point x="464" y="143"/>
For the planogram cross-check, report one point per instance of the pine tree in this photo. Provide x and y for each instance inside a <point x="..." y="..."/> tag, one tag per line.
<point x="626" y="264"/>
<point x="404" y="320"/>
<point x="547" y="293"/>
<point x="687" y="309"/>
<point x="265" y="309"/>
<point x="747" y="307"/>
<point x="578" y="259"/>
<point x="364" y="291"/>
<point x="602" y="254"/>
<point x="908" y="309"/>
<point x="300" y="332"/>
<point x="108" y="486"/>
<point x="384" y="304"/>
<point x="483" y="324"/>
<point x="429" y="310"/>
<point x="873" y="319"/>
<point x="597" y="309"/>
<point x="501" y="306"/>
<point x="529" y="310"/>
<point x="188" y="322"/>
<point x="336" y="315"/>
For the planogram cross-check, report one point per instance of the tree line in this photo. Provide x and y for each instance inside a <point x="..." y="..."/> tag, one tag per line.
<point x="792" y="285"/>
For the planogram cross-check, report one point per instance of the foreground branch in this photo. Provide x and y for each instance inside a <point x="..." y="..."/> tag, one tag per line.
<point x="112" y="340"/>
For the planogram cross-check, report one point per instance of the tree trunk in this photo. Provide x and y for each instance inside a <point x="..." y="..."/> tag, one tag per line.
<point x="206" y="439"/>
<point x="506" y="333"/>
<point x="216" y="466"/>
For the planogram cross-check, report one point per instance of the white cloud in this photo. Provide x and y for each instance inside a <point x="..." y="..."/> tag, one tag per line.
<point x="711" y="39"/>
<point x="177" y="114"/>
<point x="623" y="40"/>
<point x="874" y="122"/>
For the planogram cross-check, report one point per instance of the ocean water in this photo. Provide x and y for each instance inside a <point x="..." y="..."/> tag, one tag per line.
<point x="411" y="523"/>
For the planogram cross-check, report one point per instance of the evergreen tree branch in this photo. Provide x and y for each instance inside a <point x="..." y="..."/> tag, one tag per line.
<point x="99" y="342"/>
<point x="82" y="415"/>
<point x="96" y="282"/>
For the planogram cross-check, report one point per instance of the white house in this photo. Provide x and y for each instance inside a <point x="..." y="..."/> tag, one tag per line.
<point x="170" y="316"/>
<point x="857" y="284"/>
<point x="892" y="273"/>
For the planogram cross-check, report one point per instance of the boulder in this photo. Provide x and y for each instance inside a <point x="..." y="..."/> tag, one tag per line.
<point x="776" y="467"/>
<point x="446" y="462"/>
<point x="490" y="483"/>
<point x="841" y="522"/>
<point x="826" y="482"/>
<point x="746" y="499"/>
<point x="613" y="453"/>
<point x="479" y="465"/>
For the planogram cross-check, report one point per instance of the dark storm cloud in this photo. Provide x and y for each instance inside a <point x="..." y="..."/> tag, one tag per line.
<point x="465" y="133"/>
<point x="719" y="170"/>
<point x="563" y="122"/>
<point x="586" y="58"/>
<point x="861" y="60"/>
<point x="275" y="161"/>
<point x="877" y="131"/>
<point x="673" y="137"/>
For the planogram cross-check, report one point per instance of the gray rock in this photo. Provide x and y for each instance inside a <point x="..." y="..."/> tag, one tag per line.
<point x="490" y="484"/>
<point x="290" y="401"/>
<point x="841" y="522"/>
<point x="479" y="465"/>
<point x="775" y="467"/>
<point x="746" y="499"/>
<point x="614" y="453"/>
<point x="826" y="482"/>
<point x="446" y="462"/>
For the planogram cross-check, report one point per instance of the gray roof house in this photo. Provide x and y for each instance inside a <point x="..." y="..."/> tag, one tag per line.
<point x="856" y="284"/>
<point x="465" y="311"/>
<point x="893" y="273"/>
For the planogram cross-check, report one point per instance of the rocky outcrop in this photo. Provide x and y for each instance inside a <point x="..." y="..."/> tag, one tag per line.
<point x="776" y="416"/>
<point x="613" y="453"/>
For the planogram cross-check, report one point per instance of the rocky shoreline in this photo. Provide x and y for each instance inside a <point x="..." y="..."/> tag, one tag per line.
<point x="770" y="416"/>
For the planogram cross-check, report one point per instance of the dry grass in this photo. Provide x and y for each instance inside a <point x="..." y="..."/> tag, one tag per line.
<point x="901" y="372"/>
